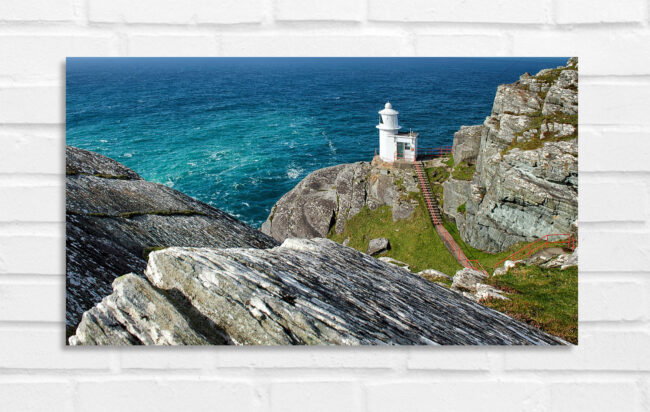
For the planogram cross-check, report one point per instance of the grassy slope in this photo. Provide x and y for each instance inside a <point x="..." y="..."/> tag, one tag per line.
<point x="488" y="260"/>
<point x="544" y="298"/>
<point x="413" y="241"/>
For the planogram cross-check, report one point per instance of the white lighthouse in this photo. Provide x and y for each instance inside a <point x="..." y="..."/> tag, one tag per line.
<point x="394" y="145"/>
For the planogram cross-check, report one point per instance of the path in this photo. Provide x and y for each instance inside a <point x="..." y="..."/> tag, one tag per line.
<point x="436" y="219"/>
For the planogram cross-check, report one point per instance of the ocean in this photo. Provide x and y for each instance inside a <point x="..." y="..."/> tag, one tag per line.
<point x="238" y="133"/>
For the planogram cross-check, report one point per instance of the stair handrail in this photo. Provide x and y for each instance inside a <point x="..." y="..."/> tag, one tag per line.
<point x="538" y="244"/>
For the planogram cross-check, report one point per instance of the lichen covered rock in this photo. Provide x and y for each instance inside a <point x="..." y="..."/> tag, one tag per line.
<point x="526" y="180"/>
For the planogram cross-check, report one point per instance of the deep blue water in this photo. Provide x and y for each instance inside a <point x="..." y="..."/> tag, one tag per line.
<point x="238" y="133"/>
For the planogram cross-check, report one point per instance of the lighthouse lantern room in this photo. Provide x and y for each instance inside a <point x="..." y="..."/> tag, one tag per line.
<point x="393" y="144"/>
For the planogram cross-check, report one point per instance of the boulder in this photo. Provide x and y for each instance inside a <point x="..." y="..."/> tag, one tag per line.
<point x="484" y="291"/>
<point x="562" y="261"/>
<point x="327" y="198"/>
<point x="466" y="144"/>
<point x="379" y="245"/>
<point x="314" y="292"/>
<point x="465" y="280"/>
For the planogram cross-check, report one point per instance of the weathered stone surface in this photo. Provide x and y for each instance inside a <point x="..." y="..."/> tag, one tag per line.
<point x="543" y="256"/>
<point x="79" y="161"/>
<point x="327" y="198"/>
<point x="466" y="280"/>
<point x="304" y="292"/>
<point x="376" y="246"/>
<point x="562" y="261"/>
<point x="432" y="273"/>
<point x="484" y="291"/>
<point x="521" y="195"/>
<point x="390" y="260"/>
<point x="466" y="144"/>
<point x="113" y="218"/>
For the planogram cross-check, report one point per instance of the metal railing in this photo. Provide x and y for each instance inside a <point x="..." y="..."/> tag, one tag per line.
<point x="543" y="242"/>
<point x="423" y="153"/>
<point x="433" y="152"/>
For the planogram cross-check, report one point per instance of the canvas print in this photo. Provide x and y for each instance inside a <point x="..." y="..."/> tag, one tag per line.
<point x="322" y="201"/>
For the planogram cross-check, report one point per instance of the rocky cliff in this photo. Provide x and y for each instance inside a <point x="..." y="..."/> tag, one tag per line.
<point x="524" y="159"/>
<point x="114" y="218"/>
<point x="303" y="292"/>
<point x="326" y="198"/>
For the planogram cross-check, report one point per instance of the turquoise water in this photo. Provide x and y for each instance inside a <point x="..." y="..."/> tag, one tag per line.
<point x="238" y="133"/>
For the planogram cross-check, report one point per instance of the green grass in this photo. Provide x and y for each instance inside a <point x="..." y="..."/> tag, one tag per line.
<point x="450" y="161"/>
<point x="436" y="176"/>
<point x="544" y="298"/>
<point x="413" y="241"/>
<point x="462" y="208"/>
<point x="463" y="171"/>
<point x="538" y="140"/>
<point x="488" y="260"/>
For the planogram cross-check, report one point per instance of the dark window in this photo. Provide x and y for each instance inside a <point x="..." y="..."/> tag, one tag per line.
<point x="381" y="120"/>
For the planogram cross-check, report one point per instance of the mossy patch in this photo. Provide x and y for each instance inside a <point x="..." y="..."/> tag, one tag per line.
<point x="450" y="162"/>
<point x="462" y="208"/>
<point x="538" y="138"/>
<point x="463" y="171"/>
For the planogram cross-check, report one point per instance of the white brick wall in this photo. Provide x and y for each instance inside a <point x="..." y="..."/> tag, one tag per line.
<point x="610" y="370"/>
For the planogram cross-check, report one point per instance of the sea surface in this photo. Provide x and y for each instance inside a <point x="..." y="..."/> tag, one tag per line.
<point x="238" y="133"/>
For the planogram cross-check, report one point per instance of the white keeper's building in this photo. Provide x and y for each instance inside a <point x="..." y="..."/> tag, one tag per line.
<point x="393" y="144"/>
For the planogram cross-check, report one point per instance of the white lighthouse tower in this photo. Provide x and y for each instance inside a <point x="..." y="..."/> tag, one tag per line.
<point x="394" y="145"/>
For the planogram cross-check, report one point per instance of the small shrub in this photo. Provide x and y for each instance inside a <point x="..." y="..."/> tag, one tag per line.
<point x="462" y="208"/>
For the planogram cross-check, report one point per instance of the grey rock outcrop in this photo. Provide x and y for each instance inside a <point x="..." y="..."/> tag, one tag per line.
<point x="526" y="180"/>
<point x="467" y="142"/>
<point x="327" y="198"/>
<point x="468" y="282"/>
<point x="303" y="292"/>
<point x="563" y="261"/>
<point x="432" y="274"/>
<point x="114" y="218"/>
<point x="376" y="246"/>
